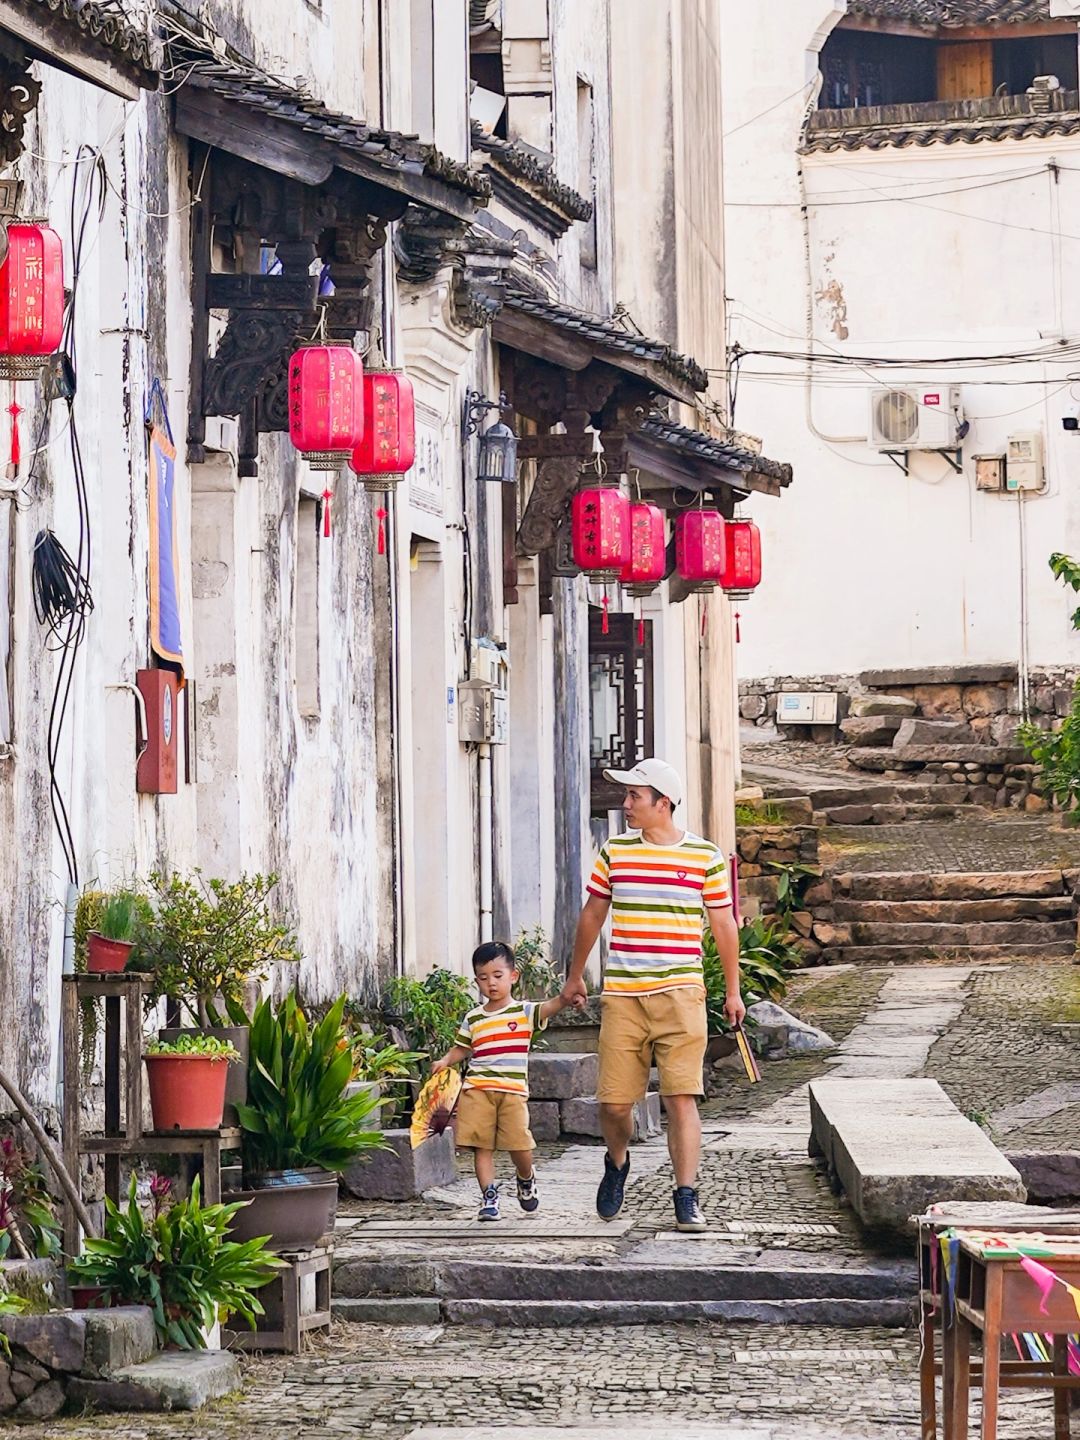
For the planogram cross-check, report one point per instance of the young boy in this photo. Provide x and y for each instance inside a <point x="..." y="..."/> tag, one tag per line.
<point x="493" y="1111"/>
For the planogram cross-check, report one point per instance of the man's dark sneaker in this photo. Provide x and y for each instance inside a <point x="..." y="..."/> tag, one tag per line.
<point x="688" y="1216"/>
<point x="489" y="1205"/>
<point x="528" y="1196"/>
<point x="609" y="1198"/>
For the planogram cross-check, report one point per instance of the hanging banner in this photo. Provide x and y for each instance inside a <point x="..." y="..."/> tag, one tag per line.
<point x="165" y="638"/>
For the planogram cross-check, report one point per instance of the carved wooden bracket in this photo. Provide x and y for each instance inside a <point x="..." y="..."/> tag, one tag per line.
<point x="555" y="480"/>
<point x="19" y="93"/>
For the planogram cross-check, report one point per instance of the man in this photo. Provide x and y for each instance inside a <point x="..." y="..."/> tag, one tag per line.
<point x="660" y="882"/>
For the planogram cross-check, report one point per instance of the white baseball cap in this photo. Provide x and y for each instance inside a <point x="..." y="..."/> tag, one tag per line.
<point x="657" y="773"/>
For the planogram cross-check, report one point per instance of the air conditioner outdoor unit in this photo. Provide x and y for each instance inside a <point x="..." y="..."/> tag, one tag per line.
<point x="915" y="417"/>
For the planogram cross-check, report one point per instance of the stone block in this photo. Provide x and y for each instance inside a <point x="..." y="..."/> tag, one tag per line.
<point x="22" y="1384"/>
<point x="1034" y="803"/>
<point x="898" y="1146"/>
<point x="57" y="1341"/>
<point x="1062" y="703"/>
<point x="1048" y="1175"/>
<point x="983" y="795"/>
<point x="820" y="893"/>
<point x="752" y="707"/>
<point x="870" y="729"/>
<point x="1003" y="729"/>
<point x="936" y="701"/>
<point x="863" y="706"/>
<point x="389" y="1310"/>
<point x="400" y="1172"/>
<point x="45" y="1402"/>
<point x="829" y="936"/>
<point x="562" y="1076"/>
<point x="545" y="1121"/>
<point x="117" y="1337"/>
<point x="185" y="1379"/>
<point x="582" y="1117"/>
<point x="850" y="815"/>
<point x="985" y="700"/>
<point x="932" y="732"/>
<point x="749" y="846"/>
<point x="8" y="1398"/>
<point x="939" y="675"/>
<point x="118" y="1395"/>
<point x="889" y="814"/>
<point x="782" y="1034"/>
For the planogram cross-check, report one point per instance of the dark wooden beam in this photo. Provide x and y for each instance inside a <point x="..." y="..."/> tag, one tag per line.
<point x="67" y="47"/>
<point x="543" y="447"/>
<point x="272" y="144"/>
<point x="672" y="467"/>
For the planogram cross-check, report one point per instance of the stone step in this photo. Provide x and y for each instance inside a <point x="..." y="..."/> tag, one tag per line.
<point x="894" y="813"/>
<point x="941" y="936"/>
<point x="616" y="1282"/>
<point x="930" y="885"/>
<point x="913" y="954"/>
<point x="954" y="912"/>
<point x="846" y="1314"/>
<point x="914" y="757"/>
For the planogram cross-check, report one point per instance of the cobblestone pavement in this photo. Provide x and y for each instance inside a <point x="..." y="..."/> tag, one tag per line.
<point x="987" y="841"/>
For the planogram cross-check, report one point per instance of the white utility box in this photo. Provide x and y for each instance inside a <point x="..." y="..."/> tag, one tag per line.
<point x="1025" y="468"/>
<point x="806" y="708"/>
<point x="483" y="713"/>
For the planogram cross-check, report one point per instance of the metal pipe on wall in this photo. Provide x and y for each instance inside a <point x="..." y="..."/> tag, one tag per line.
<point x="485" y="819"/>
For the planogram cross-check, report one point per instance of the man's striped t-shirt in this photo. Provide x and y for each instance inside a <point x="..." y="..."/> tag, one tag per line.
<point x="499" y="1041"/>
<point x="658" y="896"/>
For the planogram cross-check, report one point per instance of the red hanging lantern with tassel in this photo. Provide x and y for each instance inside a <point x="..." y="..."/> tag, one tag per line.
<point x="326" y="404"/>
<point x="699" y="548"/>
<point x="31" y="300"/>
<point x="742" y="559"/>
<point x="648" y="558"/>
<point x="600" y="529"/>
<point x="388" y="447"/>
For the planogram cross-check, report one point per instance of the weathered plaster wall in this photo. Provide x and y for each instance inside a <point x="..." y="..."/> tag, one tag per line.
<point x="929" y="252"/>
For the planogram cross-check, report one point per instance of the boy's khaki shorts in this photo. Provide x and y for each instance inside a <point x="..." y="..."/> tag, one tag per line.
<point x="493" y="1120"/>
<point x="667" y="1028"/>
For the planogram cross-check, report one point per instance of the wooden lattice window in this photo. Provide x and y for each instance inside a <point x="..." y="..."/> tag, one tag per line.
<point x="620" y="703"/>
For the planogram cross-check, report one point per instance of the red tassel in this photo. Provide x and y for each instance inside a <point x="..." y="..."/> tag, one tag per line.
<point x="381" y="517"/>
<point x="604" y="626"/>
<point x="641" y="630"/>
<point x="327" y="495"/>
<point x="738" y="633"/>
<point x="15" y="410"/>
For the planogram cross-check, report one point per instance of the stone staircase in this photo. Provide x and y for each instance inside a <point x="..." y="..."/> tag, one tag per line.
<point x="899" y="918"/>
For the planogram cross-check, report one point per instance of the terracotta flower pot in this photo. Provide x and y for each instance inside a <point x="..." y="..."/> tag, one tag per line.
<point x="236" y="1086"/>
<point x="187" y="1092"/>
<point x="295" y="1208"/>
<point x="106" y="957"/>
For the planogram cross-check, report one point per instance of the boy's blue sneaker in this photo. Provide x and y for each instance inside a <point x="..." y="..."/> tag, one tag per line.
<point x="609" y="1197"/>
<point x="489" y="1205"/>
<point x="688" y="1216"/>
<point x="528" y="1197"/>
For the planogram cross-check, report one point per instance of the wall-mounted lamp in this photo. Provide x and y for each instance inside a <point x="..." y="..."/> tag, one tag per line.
<point x="498" y="443"/>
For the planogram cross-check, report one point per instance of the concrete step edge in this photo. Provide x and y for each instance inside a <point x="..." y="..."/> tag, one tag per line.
<point x="894" y="1314"/>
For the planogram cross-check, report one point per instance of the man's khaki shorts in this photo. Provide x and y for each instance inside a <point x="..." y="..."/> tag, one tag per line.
<point x="668" y="1029"/>
<point x="493" y="1120"/>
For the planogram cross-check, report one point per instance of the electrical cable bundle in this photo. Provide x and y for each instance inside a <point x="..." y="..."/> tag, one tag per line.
<point x="61" y="591"/>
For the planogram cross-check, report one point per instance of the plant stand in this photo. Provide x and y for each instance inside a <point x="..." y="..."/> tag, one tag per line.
<point x="123" y="1134"/>
<point x="287" y="1319"/>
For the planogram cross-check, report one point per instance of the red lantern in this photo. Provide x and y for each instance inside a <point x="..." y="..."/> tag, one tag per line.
<point x="600" y="526"/>
<point x="326" y="404"/>
<point x="388" y="447"/>
<point x="648" y="558"/>
<point x="699" y="547"/>
<point x="742" y="559"/>
<point x="31" y="300"/>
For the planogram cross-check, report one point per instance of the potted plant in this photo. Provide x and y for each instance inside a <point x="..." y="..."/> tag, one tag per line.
<point x="187" y="1081"/>
<point x="180" y="1261"/>
<point x="301" y="1127"/>
<point x="119" y="919"/>
<point x="209" y="941"/>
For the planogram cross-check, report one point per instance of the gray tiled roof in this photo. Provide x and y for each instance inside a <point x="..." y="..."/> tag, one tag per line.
<point x="715" y="452"/>
<point x="238" y="79"/>
<point x="108" y="22"/>
<point x="857" y="130"/>
<point x="952" y="12"/>
<point x="609" y="335"/>
<point x="535" y="169"/>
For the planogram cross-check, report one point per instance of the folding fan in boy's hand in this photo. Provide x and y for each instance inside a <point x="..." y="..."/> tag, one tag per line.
<point x="434" y="1106"/>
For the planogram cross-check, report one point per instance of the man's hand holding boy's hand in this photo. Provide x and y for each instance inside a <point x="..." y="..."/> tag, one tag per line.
<point x="575" y="994"/>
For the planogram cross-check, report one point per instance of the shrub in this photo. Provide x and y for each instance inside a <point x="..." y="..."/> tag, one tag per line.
<point x="766" y="960"/>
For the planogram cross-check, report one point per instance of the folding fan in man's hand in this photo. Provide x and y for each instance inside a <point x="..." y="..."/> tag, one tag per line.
<point x="434" y="1106"/>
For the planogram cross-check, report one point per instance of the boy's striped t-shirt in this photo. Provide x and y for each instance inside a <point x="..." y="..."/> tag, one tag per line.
<point x="499" y="1041"/>
<point x="658" y="896"/>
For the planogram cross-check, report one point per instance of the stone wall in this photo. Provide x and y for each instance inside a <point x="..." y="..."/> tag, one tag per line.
<point x="984" y="697"/>
<point x="763" y="851"/>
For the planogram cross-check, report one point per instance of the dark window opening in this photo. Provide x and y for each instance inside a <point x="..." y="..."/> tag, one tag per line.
<point x="861" y="69"/>
<point x="620" y="703"/>
<point x="486" y="71"/>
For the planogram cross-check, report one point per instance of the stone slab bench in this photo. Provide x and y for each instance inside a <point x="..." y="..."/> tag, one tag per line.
<point x="899" y="1146"/>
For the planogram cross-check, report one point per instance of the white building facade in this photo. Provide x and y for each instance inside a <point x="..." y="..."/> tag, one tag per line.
<point x="903" y="200"/>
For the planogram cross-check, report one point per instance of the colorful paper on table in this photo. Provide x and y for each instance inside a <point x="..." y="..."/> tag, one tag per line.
<point x="1012" y="1244"/>
<point x="434" y="1108"/>
<point x="749" y="1059"/>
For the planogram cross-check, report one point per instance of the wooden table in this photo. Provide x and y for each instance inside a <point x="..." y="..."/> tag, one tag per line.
<point x="995" y="1298"/>
<point x="998" y="1216"/>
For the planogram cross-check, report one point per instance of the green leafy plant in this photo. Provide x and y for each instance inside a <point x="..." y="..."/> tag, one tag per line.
<point x="1058" y="754"/>
<point x="792" y="881"/>
<point x="28" y="1222"/>
<point x="87" y="914"/>
<point x="1066" y="569"/>
<point x="537" y="977"/>
<point x="761" y="813"/>
<point x="208" y="1045"/>
<point x="9" y="1305"/>
<point x="428" y="1011"/>
<point x="210" y="937"/>
<point x="179" y="1261"/>
<point x="766" y="960"/>
<point x="298" y="1114"/>
<point x="121" y="914"/>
